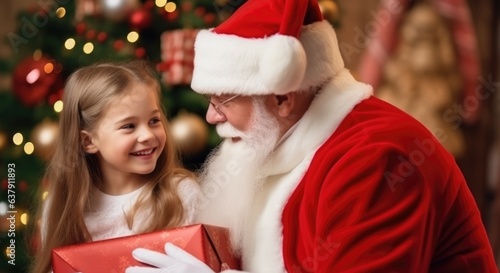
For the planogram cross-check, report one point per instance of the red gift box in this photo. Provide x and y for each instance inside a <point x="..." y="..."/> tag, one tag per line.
<point x="209" y="244"/>
<point x="177" y="54"/>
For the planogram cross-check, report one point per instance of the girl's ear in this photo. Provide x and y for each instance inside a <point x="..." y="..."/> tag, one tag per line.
<point x="87" y="144"/>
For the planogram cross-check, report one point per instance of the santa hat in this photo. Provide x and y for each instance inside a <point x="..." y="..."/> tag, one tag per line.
<point x="267" y="47"/>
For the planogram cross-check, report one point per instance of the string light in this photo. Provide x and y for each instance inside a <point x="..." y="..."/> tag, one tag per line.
<point x="160" y="3"/>
<point x="60" y="12"/>
<point x="18" y="139"/>
<point x="48" y="68"/>
<point x="133" y="36"/>
<point x="88" y="48"/>
<point x="24" y="218"/>
<point x="58" y="106"/>
<point x="170" y="7"/>
<point x="70" y="44"/>
<point x="29" y="148"/>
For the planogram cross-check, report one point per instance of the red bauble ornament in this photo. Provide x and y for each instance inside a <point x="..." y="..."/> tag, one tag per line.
<point x="187" y="6"/>
<point x="199" y="11"/>
<point x="209" y="18"/>
<point x="90" y="34"/>
<point x="102" y="36"/>
<point x="118" y="45"/>
<point x="80" y="28"/>
<point x="140" y="19"/>
<point x="140" y="52"/>
<point x="33" y="80"/>
<point x="172" y="16"/>
<point x="23" y="186"/>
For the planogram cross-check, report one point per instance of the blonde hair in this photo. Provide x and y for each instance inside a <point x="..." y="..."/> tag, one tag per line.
<point x="72" y="174"/>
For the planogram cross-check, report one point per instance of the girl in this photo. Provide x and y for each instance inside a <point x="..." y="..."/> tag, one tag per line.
<point x="115" y="171"/>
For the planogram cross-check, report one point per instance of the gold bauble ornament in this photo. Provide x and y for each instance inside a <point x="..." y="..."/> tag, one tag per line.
<point x="44" y="138"/>
<point x="330" y="10"/>
<point x="190" y="133"/>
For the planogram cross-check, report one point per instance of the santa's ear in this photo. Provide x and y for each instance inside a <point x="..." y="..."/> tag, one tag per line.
<point x="284" y="104"/>
<point x="87" y="142"/>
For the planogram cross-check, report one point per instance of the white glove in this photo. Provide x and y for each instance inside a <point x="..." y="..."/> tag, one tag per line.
<point x="177" y="261"/>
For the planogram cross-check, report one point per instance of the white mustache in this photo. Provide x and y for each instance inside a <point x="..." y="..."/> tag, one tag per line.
<point x="226" y="130"/>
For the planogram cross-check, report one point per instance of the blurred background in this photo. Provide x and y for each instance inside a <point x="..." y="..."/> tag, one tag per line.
<point x="437" y="60"/>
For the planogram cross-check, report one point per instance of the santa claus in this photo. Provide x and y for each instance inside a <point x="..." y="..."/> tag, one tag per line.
<point x="314" y="173"/>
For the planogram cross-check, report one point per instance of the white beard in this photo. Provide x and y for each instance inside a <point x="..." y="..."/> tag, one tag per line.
<point x="234" y="172"/>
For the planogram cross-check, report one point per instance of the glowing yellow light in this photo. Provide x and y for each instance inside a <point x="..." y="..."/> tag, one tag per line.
<point x="7" y="251"/>
<point x="29" y="148"/>
<point x="160" y="3"/>
<point x="48" y="68"/>
<point x="46" y="136"/>
<point x="37" y="55"/>
<point x="18" y="139"/>
<point x="88" y="48"/>
<point x="70" y="44"/>
<point x="170" y="7"/>
<point x="133" y="37"/>
<point x="44" y="195"/>
<point x="58" y="106"/>
<point x="60" y="12"/>
<point x="24" y="218"/>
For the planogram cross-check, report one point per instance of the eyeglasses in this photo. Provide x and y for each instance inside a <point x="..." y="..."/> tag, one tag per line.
<point x="217" y="106"/>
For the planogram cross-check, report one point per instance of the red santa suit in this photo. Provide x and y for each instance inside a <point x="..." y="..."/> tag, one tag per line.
<point x="358" y="185"/>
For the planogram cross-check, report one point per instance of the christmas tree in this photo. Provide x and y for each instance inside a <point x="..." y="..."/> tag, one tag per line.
<point x="53" y="39"/>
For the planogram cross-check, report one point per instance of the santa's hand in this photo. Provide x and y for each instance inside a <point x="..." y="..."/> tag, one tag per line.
<point x="177" y="261"/>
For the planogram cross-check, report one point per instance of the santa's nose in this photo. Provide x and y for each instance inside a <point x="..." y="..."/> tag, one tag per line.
<point x="213" y="116"/>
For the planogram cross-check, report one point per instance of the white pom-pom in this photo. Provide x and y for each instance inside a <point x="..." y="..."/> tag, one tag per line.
<point x="283" y="64"/>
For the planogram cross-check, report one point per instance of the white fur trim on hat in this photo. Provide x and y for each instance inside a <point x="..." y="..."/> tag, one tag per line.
<point x="232" y="64"/>
<point x="282" y="64"/>
<point x="229" y="64"/>
<point x="324" y="60"/>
